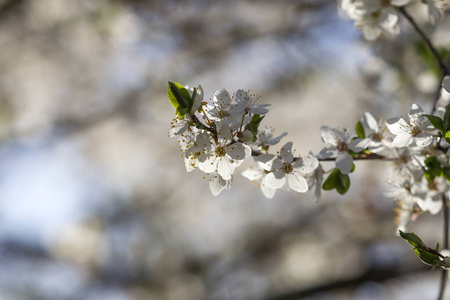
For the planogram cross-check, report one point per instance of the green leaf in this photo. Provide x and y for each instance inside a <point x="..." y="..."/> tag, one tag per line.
<point x="433" y="168"/>
<point x="344" y="184"/>
<point x="331" y="182"/>
<point x="428" y="59"/>
<point x="360" y="130"/>
<point x="427" y="255"/>
<point x="413" y="239"/>
<point x="447" y="136"/>
<point x="436" y="121"/>
<point x="254" y="125"/>
<point x="337" y="180"/>
<point x="446" y="173"/>
<point x="179" y="96"/>
<point x="446" y="123"/>
<point x="429" y="258"/>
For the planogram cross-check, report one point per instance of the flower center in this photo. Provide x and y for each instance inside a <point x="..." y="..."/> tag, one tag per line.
<point x="222" y="114"/>
<point x="287" y="168"/>
<point x="341" y="146"/>
<point x="376" y="14"/>
<point x="377" y="136"/>
<point x="432" y="186"/>
<point x="221" y="151"/>
<point x="415" y="131"/>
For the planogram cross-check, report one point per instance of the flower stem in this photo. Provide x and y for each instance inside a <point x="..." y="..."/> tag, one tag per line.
<point x="445" y="246"/>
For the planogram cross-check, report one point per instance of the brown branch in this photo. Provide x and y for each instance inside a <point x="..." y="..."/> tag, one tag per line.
<point x="371" y="156"/>
<point x="444" y="275"/>
<point x="427" y="41"/>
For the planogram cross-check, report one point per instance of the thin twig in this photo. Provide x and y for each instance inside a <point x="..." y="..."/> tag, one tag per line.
<point x="427" y="41"/>
<point x="371" y="156"/>
<point x="445" y="246"/>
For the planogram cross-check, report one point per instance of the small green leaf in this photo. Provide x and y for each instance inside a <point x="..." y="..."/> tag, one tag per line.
<point x="446" y="124"/>
<point x="331" y="182"/>
<point x="436" y="121"/>
<point x="179" y="95"/>
<point x="359" y="128"/>
<point x="337" y="180"/>
<point x="447" y="136"/>
<point x="446" y="173"/>
<point x="413" y="239"/>
<point x="254" y="125"/>
<point x="429" y="258"/>
<point x="433" y="168"/>
<point x="344" y="183"/>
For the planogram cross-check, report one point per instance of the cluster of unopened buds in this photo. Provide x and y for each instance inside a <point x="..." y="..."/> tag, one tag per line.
<point x="216" y="136"/>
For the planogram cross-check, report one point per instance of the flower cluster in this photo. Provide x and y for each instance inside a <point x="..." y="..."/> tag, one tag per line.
<point x="217" y="136"/>
<point x="377" y="17"/>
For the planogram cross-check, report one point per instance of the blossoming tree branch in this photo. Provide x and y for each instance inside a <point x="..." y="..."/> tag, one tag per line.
<point x="216" y="136"/>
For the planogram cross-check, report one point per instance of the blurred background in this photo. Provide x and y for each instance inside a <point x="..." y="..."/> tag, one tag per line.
<point x="95" y="201"/>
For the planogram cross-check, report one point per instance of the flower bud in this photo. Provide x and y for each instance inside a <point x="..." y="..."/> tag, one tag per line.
<point x="245" y="136"/>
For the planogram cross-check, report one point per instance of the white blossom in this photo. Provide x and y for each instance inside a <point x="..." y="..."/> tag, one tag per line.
<point x="217" y="184"/>
<point x="376" y="134"/>
<point x="258" y="176"/>
<point x="436" y="9"/>
<point x="287" y="172"/>
<point x="374" y="17"/>
<point x="246" y="104"/>
<point x="199" y="152"/>
<point x="267" y="139"/>
<point x="224" y="155"/>
<point x="338" y="144"/>
<point x="418" y="129"/>
<point x="220" y="111"/>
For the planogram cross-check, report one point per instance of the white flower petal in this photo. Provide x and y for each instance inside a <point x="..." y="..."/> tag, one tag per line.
<point x="429" y="205"/>
<point x="327" y="152"/>
<point x="274" y="180"/>
<point x="423" y="139"/>
<point x="370" y="122"/>
<point x="238" y="151"/>
<point x="209" y="165"/>
<point x="217" y="184"/>
<point x="344" y="162"/>
<point x="327" y="136"/>
<point x="416" y="110"/>
<point x="402" y="140"/>
<point x="397" y="126"/>
<point x="358" y="145"/>
<point x="446" y="83"/>
<point x="371" y="33"/>
<point x="388" y="19"/>
<point x="286" y="153"/>
<point x="268" y="192"/>
<point x="306" y="164"/>
<point x="222" y="97"/>
<point x="253" y="174"/>
<point x="400" y="2"/>
<point x="297" y="183"/>
<point x="225" y="168"/>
